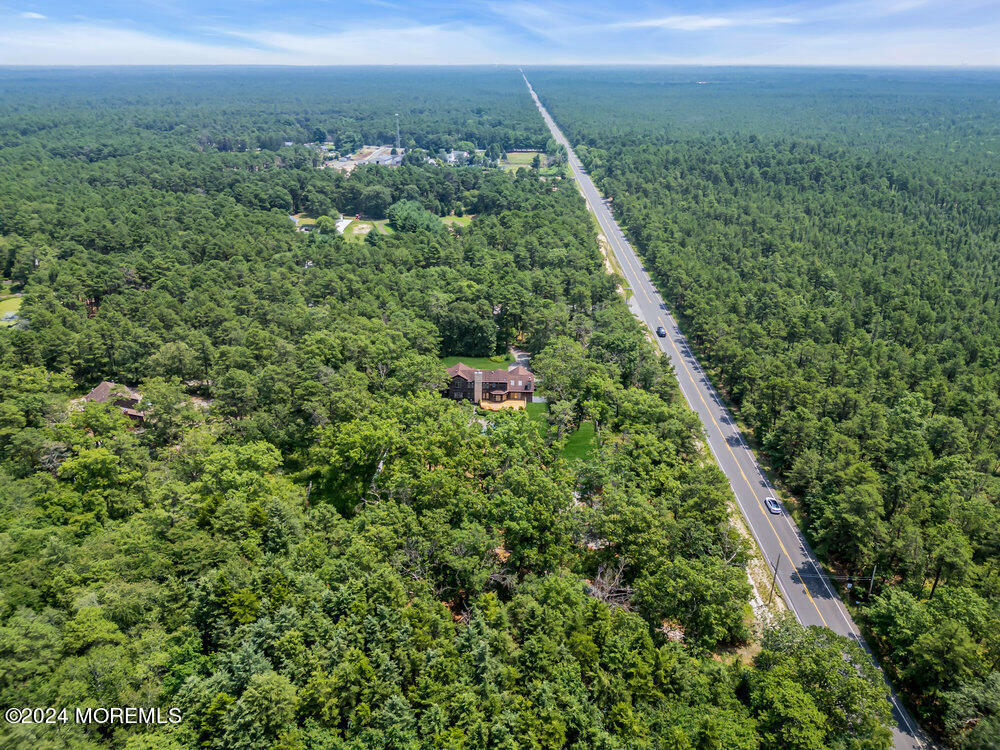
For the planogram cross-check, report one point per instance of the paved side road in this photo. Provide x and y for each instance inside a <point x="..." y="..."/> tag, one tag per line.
<point x="803" y="582"/>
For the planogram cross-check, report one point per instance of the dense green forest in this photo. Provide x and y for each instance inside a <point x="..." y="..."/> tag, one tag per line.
<point x="74" y="112"/>
<point x="302" y="545"/>
<point x="831" y="243"/>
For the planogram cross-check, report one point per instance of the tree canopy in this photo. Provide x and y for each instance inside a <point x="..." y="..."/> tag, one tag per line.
<point x="830" y="244"/>
<point x="300" y="544"/>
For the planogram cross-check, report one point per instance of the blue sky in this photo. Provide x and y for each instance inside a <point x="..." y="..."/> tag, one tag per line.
<point x="299" y="32"/>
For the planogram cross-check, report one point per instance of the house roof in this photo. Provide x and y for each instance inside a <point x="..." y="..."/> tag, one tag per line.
<point x="461" y="370"/>
<point x="102" y="392"/>
<point x="516" y="379"/>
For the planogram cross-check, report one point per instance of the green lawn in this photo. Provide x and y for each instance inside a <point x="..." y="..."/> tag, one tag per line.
<point x="523" y="157"/>
<point x="554" y="171"/>
<point x="521" y="160"/>
<point x="479" y="363"/>
<point x="8" y="305"/>
<point x="581" y="445"/>
<point x="462" y="221"/>
<point x="356" y="229"/>
<point x="536" y="411"/>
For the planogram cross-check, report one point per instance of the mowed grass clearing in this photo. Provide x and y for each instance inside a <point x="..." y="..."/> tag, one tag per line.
<point x="480" y="363"/>
<point x="522" y="158"/>
<point x="9" y="305"/>
<point x="580" y="445"/>
<point x="452" y="220"/>
<point x="536" y="411"/>
<point x="358" y="229"/>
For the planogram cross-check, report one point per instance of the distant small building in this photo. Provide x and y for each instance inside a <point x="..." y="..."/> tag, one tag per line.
<point x="491" y="389"/>
<point x="124" y="398"/>
<point x="387" y="160"/>
<point x="453" y="157"/>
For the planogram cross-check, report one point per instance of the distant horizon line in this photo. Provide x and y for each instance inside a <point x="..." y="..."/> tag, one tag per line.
<point x="292" y="66"/>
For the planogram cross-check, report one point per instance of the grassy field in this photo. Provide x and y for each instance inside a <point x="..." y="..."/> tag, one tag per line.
<point x="555" y="171"/>
<point x="8" y="305"/>
<point x="303" y="219"/>
<point x="462" y="221"/>
<point x="357" y="229"/>
<point x="522" y="158"/>
<point x="536" y="411"/>
<point x="480" y="363"/>
<point x="580" y="446"/>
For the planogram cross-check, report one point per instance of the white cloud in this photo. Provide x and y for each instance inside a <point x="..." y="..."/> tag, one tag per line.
<point x="91" y="44"/>
<point x="781" y="36"/>
<point x="85" y="44"/>
<point x="32" y="14"/>
<point x="960" y="46"/>
<point x="412" y="45"/>
<point x="704" y="23"/>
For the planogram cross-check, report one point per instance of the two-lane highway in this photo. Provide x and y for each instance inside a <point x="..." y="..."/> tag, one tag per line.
<point x="802" y="581"/>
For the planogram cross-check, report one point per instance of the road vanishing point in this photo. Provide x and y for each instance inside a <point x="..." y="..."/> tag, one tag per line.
<point x="802" y="581"/>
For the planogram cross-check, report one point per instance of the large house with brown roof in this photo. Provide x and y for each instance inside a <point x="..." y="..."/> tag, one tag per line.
<point x="491" y="389"/>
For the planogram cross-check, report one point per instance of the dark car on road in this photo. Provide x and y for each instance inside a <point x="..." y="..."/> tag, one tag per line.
<point x="661" y="332"/>
<point x="772" y="505"/>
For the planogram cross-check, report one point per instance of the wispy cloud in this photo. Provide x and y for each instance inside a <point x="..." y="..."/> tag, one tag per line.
<point x="704" y="23"/>
<point x="308" y="32"/>
<point x="393" y="45"/>
<point x="97" y="44"/>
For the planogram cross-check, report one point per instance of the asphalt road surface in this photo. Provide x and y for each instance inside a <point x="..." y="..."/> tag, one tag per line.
<point x="802" y="581"/>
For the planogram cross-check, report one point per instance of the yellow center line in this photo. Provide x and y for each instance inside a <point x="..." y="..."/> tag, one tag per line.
<point x="616" y="243"/>
<point x="745" y="479"/>
<point x="614" y="240"/>
<point x="623" y="254"/>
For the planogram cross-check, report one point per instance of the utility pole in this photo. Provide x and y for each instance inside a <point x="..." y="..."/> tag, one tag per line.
<point x="397" y="132"/>
<point x="774" y="578"/>
<point x="871" y="583"/>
